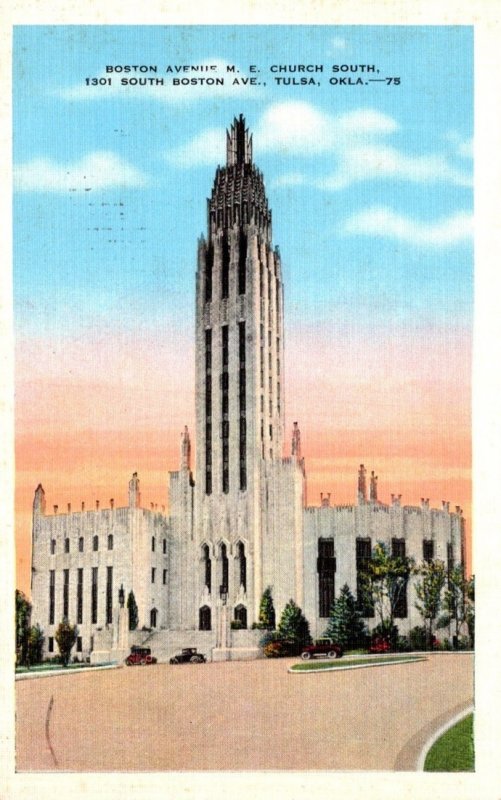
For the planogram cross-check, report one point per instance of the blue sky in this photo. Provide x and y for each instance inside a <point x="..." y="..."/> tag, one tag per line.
<point x="370" y="186"/>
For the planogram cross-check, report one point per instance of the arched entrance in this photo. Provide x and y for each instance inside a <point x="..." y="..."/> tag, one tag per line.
<point x="153" y="618"/>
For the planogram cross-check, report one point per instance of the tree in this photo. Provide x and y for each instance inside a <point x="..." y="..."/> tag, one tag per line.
<point x="35" y="644"/>
<point x="346" y="625"/>
<point x="429" y="593"/>
<point x="267" y="611"/>
<point x="456" y="603"/>
<point x="66" y="636"/>
<point x="384" y="582"/>
<point x="293" y="626"/>
<point x="23" y="616"/>
<point x="133" y="611"/>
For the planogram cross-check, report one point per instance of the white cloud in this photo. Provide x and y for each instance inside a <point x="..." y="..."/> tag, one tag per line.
<point x="384" y="222"/>
<point x="99" y="170"/>
<point x="462" y="147"/>
<point x="206" y="148"/>
<point x="299" y="127"/>
<point x="336" y="44"/>
<point x="293" y="127"/>
<point x="168" y="93"/>
<point x="357" y="142"/>
<point x="377" y="161"/>
<point x="291" y="179"/>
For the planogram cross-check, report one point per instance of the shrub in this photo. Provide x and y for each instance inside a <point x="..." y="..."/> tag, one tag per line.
<point x="387" y="631"/>
<point x="273" y="649"/>
<point x="417" y="637"/>
<point x="236" y="625"/>
<point x="380" y="644"/>
<point x="293" y="627"/>
<point x="266" y="611"/>
<point x="66" y="636"/>
<point x="403" y="644"/>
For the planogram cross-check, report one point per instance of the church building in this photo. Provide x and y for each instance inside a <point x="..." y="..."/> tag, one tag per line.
<point x="237" y="522"/>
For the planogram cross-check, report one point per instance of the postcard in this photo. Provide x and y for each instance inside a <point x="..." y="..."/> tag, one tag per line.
<point x="243" y="308"/>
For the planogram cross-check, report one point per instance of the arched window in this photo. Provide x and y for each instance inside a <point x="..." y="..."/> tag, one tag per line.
<point x="80" y="544"/>
<point x="66" y="545"/>
<point x="110" y="541"/>
<point x="241" y="615"/>
<point x="207" y="567"/>
<point x="95" y="542"/>
<point x="153" y="618"/>
<point x="243" y="565"/>
<point x="224" y="570"/>
<point x="204" y="618"/>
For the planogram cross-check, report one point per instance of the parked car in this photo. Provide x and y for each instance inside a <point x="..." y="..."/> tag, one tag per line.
<point x="188" y="654"/>
<point x="140" y="655"/>
<point x="322" y="647"/>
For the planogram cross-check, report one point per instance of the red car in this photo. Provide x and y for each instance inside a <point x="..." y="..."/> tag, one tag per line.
<point x="140" y="655"/>
<point x="322" y="647"/>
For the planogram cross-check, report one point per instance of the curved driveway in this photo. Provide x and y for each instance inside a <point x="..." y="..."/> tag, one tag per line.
<point x="250" y="715"/>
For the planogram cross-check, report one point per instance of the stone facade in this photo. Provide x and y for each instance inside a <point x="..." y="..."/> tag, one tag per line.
<point x="239" y="523"/>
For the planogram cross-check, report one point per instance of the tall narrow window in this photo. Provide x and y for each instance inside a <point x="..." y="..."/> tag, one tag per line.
<point x="428" y="550"/>
<point x="450" y="557"/>
<point x="207" y="567"/>
<point x="164" y="577"/>
<point x="152" y="544"/>
<point x="110" y="541"/>
<point x="224" y="570"/>
<point x="66" y="592"/>
<point x="153" y="572"/>
<point x="208" y="411"/>
<point x="209" y="262"/>
<point x="79" y="596"/>
<point x="225" y="266"/>
<point x="363" y="556"/>
<point x="164" y="546"/>
<point x="66" y="545"/>
<point x="243" y="565"/>
<point x="95" y="542"/>
<point x="326" y="568"/>
<point x="52" y="596"/>
<point x="242" y="257"/>
<point x="225" y="426"/>
<point x="80" y="544"/>
<point x="242" y="404"/>
<point x="400" y="584"/>
<point x="93" y="615"/>
<point x="109" y="595"/>
<point x="52" y="546"/>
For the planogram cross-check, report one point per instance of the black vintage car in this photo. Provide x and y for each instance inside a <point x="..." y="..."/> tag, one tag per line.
<point x="188" y="655"/>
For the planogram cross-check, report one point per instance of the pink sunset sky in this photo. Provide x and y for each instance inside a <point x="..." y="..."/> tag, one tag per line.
<point x="91" y="410"/>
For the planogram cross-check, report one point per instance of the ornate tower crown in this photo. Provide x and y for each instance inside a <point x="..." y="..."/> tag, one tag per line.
<point x="238" y="196"/>
<point x="238" y="143"/>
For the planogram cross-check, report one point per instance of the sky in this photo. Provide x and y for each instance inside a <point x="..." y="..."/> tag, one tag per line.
<point x="370" y="185"/>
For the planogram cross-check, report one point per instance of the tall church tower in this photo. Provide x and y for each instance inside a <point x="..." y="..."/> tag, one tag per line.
<point x="239" y="369"/>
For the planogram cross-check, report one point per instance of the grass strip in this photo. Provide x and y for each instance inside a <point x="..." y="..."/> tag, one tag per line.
<point x="353" y="662"/>
<point x="454" y="751"/>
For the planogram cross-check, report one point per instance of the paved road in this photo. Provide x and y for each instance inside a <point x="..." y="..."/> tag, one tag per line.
<point x="237" y="716"/>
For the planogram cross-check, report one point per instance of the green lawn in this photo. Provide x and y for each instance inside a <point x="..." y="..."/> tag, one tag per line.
<point x="49" y="667"/>
<point x="353" y="662"/>
<point x="454" y="751"/>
